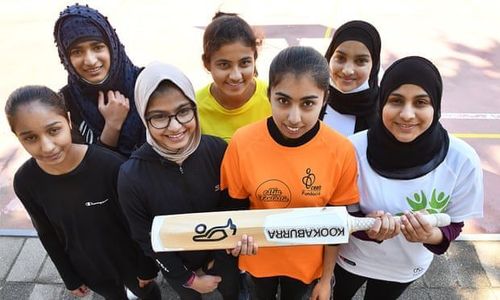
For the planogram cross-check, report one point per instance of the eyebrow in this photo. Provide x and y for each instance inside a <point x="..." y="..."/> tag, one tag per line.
<point x="359" y="55"/>
<point x="93" y="43"/>
<point x="417" y="96"/>
<point x="181" y="106"/>
<point x="311" y="97"/>
<point x="46" y="126"/>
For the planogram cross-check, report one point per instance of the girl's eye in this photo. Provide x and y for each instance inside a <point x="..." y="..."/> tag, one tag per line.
<point x="246" y="63"/>
<point x="308" y="103"/>
<point x="423" y="102"/>
<point x="99" y="47"/>
<point x="75" y="52"/>
<point x="339" y="58"/>
<point x="282" y="100"/>
<point x="394" y="100"/>
<point x="361" y="61"/>
<point x="29" y="138"/>
<point x="223" y="65"/>
<point x="54" y="131"/>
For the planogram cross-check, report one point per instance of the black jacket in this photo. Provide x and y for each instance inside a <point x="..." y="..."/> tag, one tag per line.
<point x="149" y="185"/>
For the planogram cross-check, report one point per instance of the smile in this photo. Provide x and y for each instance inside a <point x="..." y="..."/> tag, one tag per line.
<point x="94" y="70"/>
<point x="176" y="137"/>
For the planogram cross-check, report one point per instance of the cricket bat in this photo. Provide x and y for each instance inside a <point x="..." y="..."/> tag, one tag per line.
<point x="268" y="227"/>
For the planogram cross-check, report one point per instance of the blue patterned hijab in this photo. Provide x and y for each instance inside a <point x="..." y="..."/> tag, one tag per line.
<point x="78" y="23"/>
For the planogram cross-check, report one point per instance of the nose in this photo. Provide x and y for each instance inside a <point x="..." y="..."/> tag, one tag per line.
<point x="294" y="115"/>
<point x="235" y="74"/>
<point x="90" y="58"/>
<point x="46" y="144"/>
<point x="347" y="68"/>
<point x="408" y="112"/>
<point x="174" y="124"/>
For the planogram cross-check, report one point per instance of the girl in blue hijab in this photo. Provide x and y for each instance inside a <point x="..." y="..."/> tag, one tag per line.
<point x="101" y="79"/>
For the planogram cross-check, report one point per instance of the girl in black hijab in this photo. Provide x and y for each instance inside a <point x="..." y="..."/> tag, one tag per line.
<point x="408" y="164"/>
<point x="101" y="79"/>
<point x="354" y="59"/>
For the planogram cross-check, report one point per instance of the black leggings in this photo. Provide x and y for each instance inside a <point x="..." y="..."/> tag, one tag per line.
<point x="224" y="266"/>
<point x="347" y="284"/>
<point x="117" y="292"/>
<point x="266" y="288"/>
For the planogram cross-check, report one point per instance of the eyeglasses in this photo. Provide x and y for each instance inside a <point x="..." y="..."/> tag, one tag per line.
<point x="161" y="121"/>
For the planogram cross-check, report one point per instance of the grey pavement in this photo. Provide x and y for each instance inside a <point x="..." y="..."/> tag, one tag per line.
<point x="469" y="270"/>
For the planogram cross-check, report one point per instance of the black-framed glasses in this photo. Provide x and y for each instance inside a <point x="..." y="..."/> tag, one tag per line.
<point x="161" y="120"/>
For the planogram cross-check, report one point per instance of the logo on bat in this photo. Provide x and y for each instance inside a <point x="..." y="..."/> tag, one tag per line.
<point x="214" y="234"/>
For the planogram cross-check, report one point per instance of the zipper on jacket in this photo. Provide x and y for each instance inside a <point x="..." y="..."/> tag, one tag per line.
<point x="181" y="170"/>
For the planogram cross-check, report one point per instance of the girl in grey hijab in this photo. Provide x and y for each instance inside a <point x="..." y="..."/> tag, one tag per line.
<point x="177" y="171"/>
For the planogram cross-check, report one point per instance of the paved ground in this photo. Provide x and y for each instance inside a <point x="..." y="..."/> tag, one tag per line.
<point x="469" y="270"/>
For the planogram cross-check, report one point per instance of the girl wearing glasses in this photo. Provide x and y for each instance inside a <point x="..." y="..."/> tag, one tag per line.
<point x="176" y="171"/>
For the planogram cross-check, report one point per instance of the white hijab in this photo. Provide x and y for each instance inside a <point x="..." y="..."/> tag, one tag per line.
<point x="146" y="83"/>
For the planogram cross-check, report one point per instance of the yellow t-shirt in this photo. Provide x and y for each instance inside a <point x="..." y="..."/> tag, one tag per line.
<point x="219" y="121"/>
<point x="321" y="172"/>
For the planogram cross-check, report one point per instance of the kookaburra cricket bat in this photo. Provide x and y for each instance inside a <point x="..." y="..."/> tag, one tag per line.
<point x="268" y="227"/>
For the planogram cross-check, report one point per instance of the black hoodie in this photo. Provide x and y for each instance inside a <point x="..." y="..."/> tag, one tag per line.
<point x="150" y="185"/>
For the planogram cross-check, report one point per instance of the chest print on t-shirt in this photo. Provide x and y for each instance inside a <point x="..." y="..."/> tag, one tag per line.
<point x="437" y="203"/>
<point x="308" y="181"/>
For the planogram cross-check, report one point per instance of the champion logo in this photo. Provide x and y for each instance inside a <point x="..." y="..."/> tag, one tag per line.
<point x="96" y="203"/>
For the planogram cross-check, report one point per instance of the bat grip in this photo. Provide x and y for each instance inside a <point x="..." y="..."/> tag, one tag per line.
<point x="436" y="220"/>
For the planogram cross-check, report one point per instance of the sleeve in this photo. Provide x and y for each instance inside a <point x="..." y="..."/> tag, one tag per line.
<point x="140" y="221"/>
<point x="450" y="233"/>
<point x="346" y="190"/>
<point x="48" y="237"/>
<point x="467" y="197"/>
<point x="231" y="175"/>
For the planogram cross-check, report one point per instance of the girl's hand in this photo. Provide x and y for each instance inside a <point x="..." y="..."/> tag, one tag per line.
<point x="115" y="110"/>
<point x="205" y="283"/>
<point x="385" y="227"/>
<point x="322" y="290"/>
<point x="415" y="228"/>
<point x="82" y="291"/>
<point x="246" y="246"/>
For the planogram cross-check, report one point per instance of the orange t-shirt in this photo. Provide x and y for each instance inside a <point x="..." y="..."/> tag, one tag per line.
<point x="321" y="172"/>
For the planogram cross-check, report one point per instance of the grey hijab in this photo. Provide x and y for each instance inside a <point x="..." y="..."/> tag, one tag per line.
<point x="147" y="81"/>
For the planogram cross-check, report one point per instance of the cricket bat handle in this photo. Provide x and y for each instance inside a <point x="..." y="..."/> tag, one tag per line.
<point x="359" y="224"/>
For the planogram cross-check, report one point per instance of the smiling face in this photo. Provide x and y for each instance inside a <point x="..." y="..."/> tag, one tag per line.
<point x="232" y="67"/>
<point x="350" y="65"/>
<point x="296" y="103"/>
<point x="44" y="133"/>
<point x="176" y="135"/>
<point x="408" y="112"/>
<point x="91" y="60"/>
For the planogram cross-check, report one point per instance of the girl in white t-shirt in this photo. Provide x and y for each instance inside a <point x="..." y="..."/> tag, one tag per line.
<point x="408" y="163"/>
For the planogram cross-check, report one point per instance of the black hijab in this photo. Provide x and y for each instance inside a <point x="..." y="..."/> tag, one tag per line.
<point x="391" y="158"/>
<point x="361" y="104"/>
<point x="79" y="23"/>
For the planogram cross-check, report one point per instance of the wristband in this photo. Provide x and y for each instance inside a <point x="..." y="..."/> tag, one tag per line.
<point x="190" y="280"/>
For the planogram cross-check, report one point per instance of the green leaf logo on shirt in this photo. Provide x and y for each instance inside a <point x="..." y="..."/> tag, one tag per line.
<point x="438" y="202"/>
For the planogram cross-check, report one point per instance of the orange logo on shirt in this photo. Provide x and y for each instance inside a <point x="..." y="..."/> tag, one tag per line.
<point x="275" y="192"/>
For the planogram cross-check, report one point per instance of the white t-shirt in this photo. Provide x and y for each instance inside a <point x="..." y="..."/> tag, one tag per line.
<point x="342" y="123"/>
<point x="455" y="187"/>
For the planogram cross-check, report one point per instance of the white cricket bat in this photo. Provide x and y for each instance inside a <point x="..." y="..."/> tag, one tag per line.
<point x="268" y="227"/>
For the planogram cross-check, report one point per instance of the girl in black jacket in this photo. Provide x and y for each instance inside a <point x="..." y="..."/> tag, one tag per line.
<point x="176" y="171"/>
